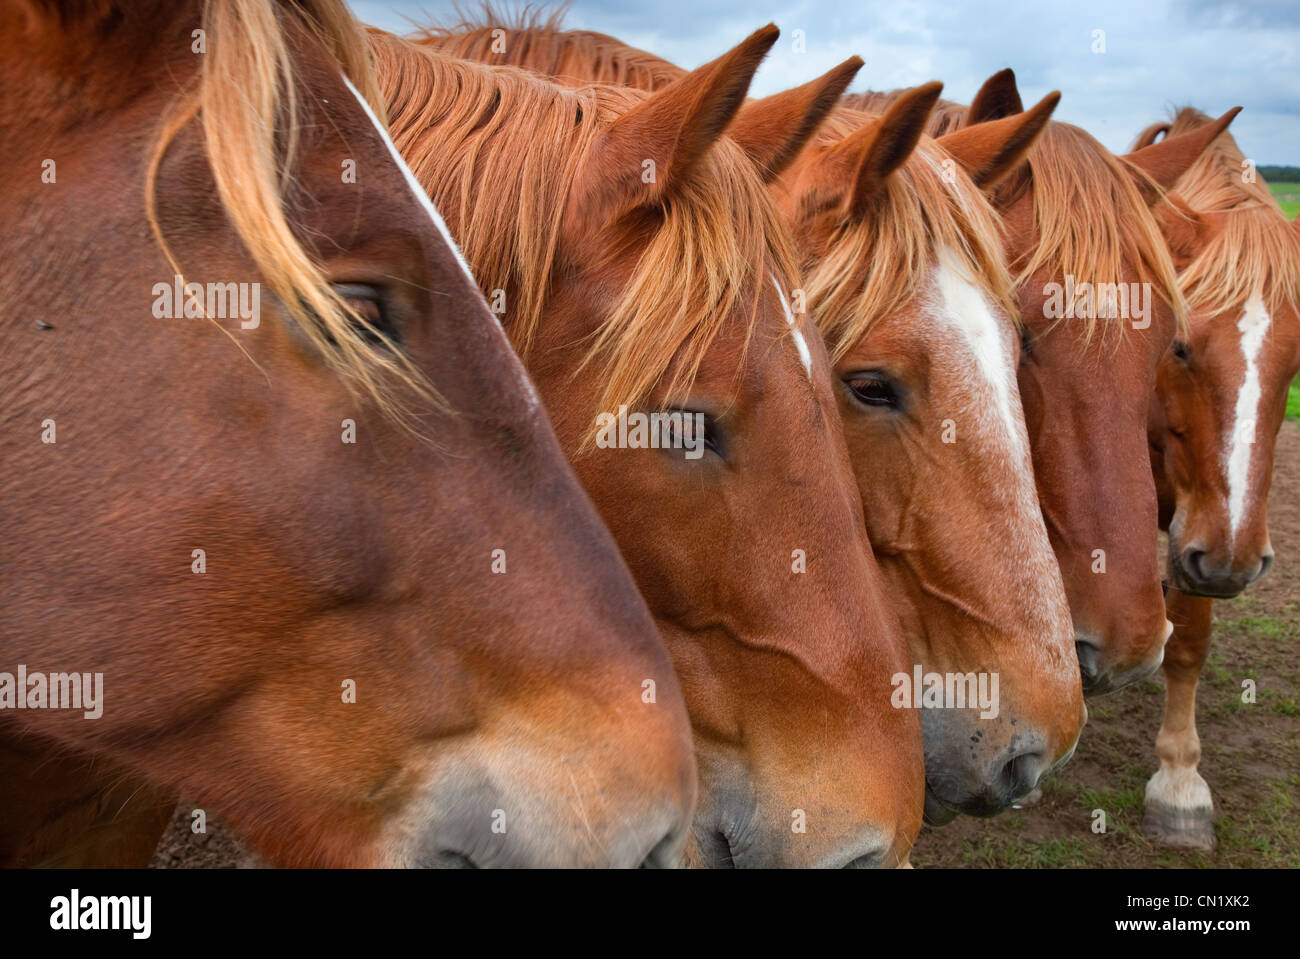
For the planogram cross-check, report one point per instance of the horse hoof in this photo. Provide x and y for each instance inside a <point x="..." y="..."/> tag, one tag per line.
<point x="1030" y="799"/>
<point x="1182" y="828"/>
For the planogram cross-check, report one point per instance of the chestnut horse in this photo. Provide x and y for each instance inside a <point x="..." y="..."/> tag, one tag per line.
<point x="641" y="265"/>
<point x="1221" y="398"/>
<point x="1077" y="221"/>
<point x="904" y="276"/>
<point x="906" y="279"/>
<point x="266" y="537"/>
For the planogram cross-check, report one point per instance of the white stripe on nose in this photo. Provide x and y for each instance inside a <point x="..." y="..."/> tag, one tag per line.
<point x="1253" y="327"/>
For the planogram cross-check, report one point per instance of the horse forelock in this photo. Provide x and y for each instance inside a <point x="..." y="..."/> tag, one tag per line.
<point x="1092" y="220"/>
<point x="248" y="94"/>
<point x="925" y="211"/>
<point x="501" y="151"/>
<point x="1256" y="252"/>
<point x="1090" y="217"/>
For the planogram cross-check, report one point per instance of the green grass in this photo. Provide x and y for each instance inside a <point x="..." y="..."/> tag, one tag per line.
<point x="1293" y="401"/>
<point x="1286" y="706"/>
<point x="1288" y="195"/>
<point x="1112" y="799"/>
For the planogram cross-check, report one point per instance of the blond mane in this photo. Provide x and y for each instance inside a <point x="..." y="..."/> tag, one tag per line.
<point x="876" y="265"/>
<point x="1257" y="251"/>
<point x="536" y="39"/>
<point x="247" y="100"/>
<point x="1089" y="213"/>
<point x="919" y="215"/>
<point x="1091" y="218"/>
<point x="499" y="150"/>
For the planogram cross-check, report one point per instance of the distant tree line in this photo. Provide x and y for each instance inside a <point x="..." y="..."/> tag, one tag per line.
<point x="1280" y="174"/>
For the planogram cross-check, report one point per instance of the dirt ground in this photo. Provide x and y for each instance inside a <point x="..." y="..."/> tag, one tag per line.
<point x="1251" y="753"/>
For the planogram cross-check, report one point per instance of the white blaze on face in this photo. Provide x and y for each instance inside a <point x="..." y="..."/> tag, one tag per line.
<point x="420" y="195"/>
<point x="424" y="200"/>
<point x="796" y="334"/>
<point x="1253" y="327"/>
<point x="970" y="336"/>
<point x="966" y="309"/>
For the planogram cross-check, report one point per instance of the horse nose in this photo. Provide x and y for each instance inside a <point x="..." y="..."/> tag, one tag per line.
<point x="1006" y="780"/>
<point x="957" y="781"/>
<point x="1202" y="574"/>
<point x="1098" y="679"/>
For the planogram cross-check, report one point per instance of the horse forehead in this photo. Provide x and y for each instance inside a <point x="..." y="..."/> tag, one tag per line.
<point x="1282" y="341"/>
<point x="417" y="192"/>
<point x="1253" y="327"/>
<point x="970" y="326"/>
<point x="1221" y="338"/>
<point x="797" y="338"/>
<point x="960" y="307"/>
<point x="423" y="199"/>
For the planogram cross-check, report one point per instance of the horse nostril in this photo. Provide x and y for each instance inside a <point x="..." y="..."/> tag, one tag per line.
<point x="1020" y="774"/>
<point x="1087" y="662"/>
<point x="1265" y="562"/>
<point x="665" y="854"/>
<point x="1194" y="563"/>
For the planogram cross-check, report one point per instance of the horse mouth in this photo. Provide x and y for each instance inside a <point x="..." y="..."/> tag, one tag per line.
<point x="1227" y="591"/>
<point x="937" y="812"/>
<point x="449" y="859"/>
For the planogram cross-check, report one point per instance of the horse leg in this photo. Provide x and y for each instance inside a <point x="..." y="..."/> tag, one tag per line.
<point x="64" y="809"/>
<point x="1178" y="808"/>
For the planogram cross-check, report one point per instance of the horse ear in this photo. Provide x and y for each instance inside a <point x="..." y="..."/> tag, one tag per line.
<point x="989" y="151"/>
<point x="1151" y="134"/>
<point x="652" y="149"/>
<point x="997" y="99"/>
<point x="1185" y="231"/>
<point x="774" y="129"/>
<point x="858" y="165"/>
<point x="1159" y="166"/>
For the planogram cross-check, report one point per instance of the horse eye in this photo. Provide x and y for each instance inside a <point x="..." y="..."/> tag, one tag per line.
<point x="692" y="428"/>
<point x="873" y="389"/>
<point x="1181" y="351"/>
<point x="1026" y="344"/>
<point x="367" y="302"/>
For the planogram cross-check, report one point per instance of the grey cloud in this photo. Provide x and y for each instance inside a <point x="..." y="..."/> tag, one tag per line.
<point x="1159" y="53"/>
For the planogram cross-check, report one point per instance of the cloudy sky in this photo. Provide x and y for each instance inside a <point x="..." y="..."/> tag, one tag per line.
<point x="1158" y="53"/>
